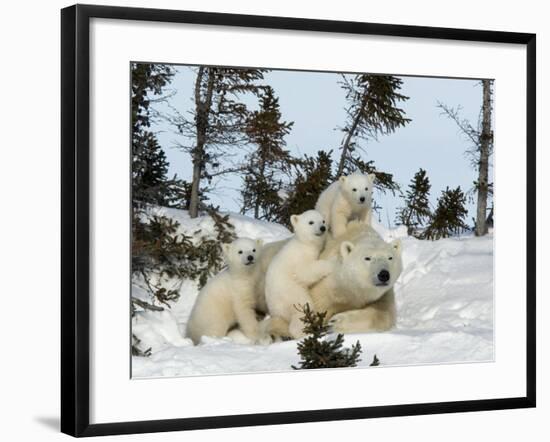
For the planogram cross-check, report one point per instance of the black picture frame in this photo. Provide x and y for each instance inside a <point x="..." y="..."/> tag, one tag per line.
<point x="75" y="212"/>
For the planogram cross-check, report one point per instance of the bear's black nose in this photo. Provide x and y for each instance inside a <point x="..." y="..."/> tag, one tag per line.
<point x="323" y="228"/>
<point x="362" y="199"/>
<point x="250" y="257"/>
<point x="384" y="276"/>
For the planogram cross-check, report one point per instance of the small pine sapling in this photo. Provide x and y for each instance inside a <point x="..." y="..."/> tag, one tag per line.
<point x="318" y="351"/>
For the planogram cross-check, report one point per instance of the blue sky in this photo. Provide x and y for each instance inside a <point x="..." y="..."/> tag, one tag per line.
<point x="315" y="102"/>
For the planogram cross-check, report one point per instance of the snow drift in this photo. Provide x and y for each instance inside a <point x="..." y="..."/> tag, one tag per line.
<point x="444" y="311"/>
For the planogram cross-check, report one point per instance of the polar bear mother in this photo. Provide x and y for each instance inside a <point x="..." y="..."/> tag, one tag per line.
<point x="358" y="294"/>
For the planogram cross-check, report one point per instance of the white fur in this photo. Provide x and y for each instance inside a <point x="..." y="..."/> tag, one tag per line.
<point x="294" y="269"/>
<point x="354" y="295"/>
<point x="268" y="252"/>
<point x="229" y="298"/>
<point x="348" y="198"/>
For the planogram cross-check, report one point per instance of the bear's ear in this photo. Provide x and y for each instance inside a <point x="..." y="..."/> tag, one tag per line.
<point x="225" y="248"/>
<point x="396" y="245"/>
<point x="372" y="177"/>
<point x="342" y="179"/>
<point x="259" y="242"/>
<point x="345" y="248"/>
<point x="294" y="220"/>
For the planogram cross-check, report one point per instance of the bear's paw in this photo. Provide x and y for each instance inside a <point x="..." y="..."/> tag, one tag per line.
<point x="343" y="323"/>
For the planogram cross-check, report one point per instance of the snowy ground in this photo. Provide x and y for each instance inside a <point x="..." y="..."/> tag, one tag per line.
<point x="444" y="304"/>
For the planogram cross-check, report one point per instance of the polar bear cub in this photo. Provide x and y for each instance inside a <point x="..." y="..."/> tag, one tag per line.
<point x="348" y="198"/>
<point x="294" y="269"/>
<point x="228" y="299"/>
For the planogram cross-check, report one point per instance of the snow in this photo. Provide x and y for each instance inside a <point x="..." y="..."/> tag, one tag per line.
<point x="444" y="302"/>
<point x="244" y="226"/>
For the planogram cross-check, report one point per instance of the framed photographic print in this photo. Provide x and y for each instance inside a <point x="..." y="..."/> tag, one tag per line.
<point x="256" y="205"/>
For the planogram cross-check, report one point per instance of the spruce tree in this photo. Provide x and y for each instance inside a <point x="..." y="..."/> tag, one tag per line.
<point x="372" y="110"/>
<point x="448" y="218"/>
<point x="149" y="170"/>
<point x="150" y="184"/>
<point x="417" y="204"/>
<point x="147" y="78"/>
<point x="318" y="351"/>
<point x="264" y="166"/>
<point x="312" y="176"/>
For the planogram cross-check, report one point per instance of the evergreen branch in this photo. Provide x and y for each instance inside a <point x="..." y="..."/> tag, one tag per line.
<point x="319" y="351"/>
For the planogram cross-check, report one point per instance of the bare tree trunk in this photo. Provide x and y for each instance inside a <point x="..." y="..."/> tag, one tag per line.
<point x="485" y="141"/>
<point x="350" y="135"/>
<point x="202" y="113"/>
<point x="195" y="184"/>
<point x="261" y="174"/>
<point x="345" y="145"/>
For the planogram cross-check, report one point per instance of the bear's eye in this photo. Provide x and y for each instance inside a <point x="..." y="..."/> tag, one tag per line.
<point x="240" y="252"/>
<point x="390" y="258"/>
<point x="311" y="223"/>
<point x="366" y="188"/>
<point x="254" y="251"/>
<point x="355" y="190"/>
<point x="367" y="258"/>
<point x="323" y="221"/>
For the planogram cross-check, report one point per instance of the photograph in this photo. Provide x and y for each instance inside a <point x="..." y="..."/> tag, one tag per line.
<point x="264" y="222"/>
<point x="290" y="219"/>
